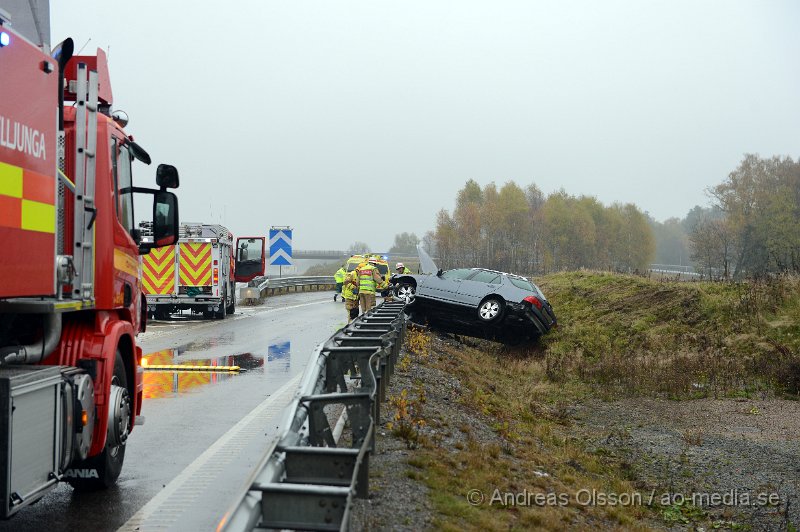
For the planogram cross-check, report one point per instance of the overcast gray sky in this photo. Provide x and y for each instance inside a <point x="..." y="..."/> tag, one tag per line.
<point x="359" y="120"/>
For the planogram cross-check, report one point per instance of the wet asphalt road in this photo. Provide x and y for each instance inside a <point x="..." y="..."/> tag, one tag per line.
<point x="187" y="412"/>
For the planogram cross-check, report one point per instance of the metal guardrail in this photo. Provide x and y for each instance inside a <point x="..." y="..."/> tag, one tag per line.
<point x="309" y="479"/>
<point x="672" y="268"/>
<point x="260" y="287"/>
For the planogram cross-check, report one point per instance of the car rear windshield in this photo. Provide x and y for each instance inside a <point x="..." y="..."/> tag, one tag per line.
<point x="519" y="282"/>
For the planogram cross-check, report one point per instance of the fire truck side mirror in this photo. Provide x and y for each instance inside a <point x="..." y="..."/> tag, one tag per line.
<point x="138" y="152"/>
<point x="165" y="218"/>
<point x="167" y="176"/>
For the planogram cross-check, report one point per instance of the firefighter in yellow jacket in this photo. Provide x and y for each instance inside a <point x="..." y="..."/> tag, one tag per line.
<point x="368" y="279"/>
<point x="350" y="295"/>
<point x="338" y="277"/>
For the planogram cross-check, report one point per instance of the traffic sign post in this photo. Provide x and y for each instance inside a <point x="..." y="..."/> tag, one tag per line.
<point x="280" y="247"/>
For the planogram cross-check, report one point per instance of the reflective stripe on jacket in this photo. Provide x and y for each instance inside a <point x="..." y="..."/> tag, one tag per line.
<point x="366" y="284"/>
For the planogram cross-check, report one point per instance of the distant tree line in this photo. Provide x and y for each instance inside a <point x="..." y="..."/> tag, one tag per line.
<point x="753" y="225"/>
<point x="522" y="231"/>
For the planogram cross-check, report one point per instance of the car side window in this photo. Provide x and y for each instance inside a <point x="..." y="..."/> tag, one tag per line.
<point x="485" y="277"/>
<point x="460" y="273"/>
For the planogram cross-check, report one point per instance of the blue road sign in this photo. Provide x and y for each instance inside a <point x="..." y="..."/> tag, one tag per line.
<point x="280" y="247"/>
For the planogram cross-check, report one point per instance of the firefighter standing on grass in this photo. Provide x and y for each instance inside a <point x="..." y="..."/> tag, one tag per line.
<point x="368" y="279"/>
<point x="350" y="295"/>
<point x="339" y="278"/>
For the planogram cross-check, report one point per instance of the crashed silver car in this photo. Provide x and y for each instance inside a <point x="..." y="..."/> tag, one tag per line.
<point x="475" y="302"/>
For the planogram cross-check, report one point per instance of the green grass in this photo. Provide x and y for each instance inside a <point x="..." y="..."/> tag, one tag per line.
<point x="618" y="336"/>
<point x="634" y="335"/>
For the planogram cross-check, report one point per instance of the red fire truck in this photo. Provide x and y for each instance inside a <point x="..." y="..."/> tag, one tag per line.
<point x="71" y="302"/>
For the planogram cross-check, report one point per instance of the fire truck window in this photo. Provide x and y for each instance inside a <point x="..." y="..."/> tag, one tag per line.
<point x="250" y="250"/>
<point x="124" y="183"/>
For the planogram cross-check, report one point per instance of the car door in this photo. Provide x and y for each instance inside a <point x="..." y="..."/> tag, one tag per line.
<point x="250" y="258"/>
<point x="473" y="289"/>
<point x="443" y="287"/>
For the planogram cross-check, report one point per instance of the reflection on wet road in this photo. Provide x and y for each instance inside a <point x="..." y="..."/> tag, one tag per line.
<point x="186" y="412"/>
<point x="279" y="356"/>
<point x="167" y="383"/>
<point x="163" y="383"/>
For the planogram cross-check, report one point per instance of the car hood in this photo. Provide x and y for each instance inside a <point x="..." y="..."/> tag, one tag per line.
<point x="426" y="262"/>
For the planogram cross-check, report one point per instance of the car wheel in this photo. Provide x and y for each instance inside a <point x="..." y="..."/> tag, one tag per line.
<point x="106" y="466"/>
<point x="406" y="292"/>
<point x="490" y="310"/>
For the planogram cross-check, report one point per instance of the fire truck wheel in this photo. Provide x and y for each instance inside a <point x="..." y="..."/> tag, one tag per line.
<point x="101" y="471"/>
<point x="222" y="310"/>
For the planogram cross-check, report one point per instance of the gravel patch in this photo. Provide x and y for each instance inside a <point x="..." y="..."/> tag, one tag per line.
<point x="733" y="450"/>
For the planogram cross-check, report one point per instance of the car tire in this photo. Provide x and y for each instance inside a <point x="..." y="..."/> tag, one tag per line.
<point x="490" y="310"/>
<point x="405" y="292"/>
<point x="108" y="463"/>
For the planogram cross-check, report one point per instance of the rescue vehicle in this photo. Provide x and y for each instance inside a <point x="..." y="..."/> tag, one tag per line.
<point x="200" y="272"/>
<point x="70" y="294"/>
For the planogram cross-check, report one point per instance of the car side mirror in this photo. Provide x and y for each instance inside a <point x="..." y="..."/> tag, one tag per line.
<point x="439" y="273"/>
<point x="165" y="218"/>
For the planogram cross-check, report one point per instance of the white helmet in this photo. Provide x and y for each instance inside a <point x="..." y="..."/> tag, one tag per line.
<point x="399" y="265"/>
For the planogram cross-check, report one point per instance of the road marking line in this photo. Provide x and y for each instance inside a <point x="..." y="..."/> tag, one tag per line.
<point x="163" y="510"/>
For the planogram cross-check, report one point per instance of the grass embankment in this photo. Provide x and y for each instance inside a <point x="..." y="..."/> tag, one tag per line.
<point x="619" y="336"/>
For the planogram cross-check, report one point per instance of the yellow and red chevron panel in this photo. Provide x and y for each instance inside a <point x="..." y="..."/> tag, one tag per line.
<point x="27" y="230"/>
<point x="195" y="269"/>
<point x="158" y="271"/>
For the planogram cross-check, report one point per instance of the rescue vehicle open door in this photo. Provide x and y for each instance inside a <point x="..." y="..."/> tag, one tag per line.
<point x="251" y="258"/>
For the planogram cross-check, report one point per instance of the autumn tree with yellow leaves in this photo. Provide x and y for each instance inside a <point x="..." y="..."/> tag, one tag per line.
<point x="521" y="230"/>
